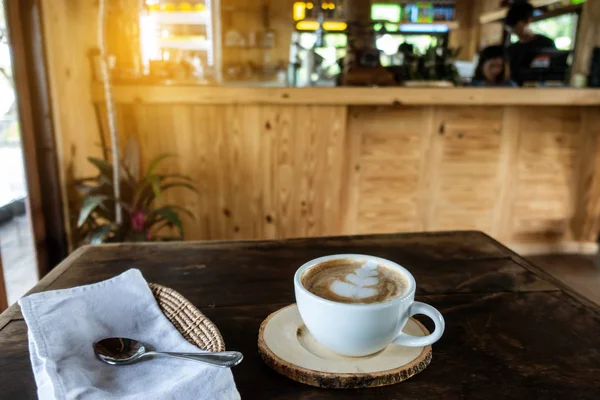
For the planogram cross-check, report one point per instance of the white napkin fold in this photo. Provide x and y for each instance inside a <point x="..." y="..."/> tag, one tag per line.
<point x="64" y="324"/>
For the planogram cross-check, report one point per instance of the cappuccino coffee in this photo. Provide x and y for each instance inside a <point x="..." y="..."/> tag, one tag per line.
<point x="353" y="281"/>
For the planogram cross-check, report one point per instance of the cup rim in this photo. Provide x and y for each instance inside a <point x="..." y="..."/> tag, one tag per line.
<point x="307" y="265"/>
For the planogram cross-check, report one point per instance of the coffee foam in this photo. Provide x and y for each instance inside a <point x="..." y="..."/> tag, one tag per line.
<point x="357" y="284"/>
<point x="351" y="281"/>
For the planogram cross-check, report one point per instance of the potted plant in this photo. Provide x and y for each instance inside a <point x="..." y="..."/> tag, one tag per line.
<point x="144" y="215"/>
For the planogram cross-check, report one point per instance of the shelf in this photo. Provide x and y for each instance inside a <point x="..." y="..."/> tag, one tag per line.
<point x="449" y="24"/>
<point x="498" y="15"/>
<point x="248" y="47"/>
<point x="182" y="18"/>
<point x="184" y="43"/>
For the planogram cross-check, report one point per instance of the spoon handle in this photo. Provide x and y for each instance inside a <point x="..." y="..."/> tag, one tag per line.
<point x="223" y="359"/>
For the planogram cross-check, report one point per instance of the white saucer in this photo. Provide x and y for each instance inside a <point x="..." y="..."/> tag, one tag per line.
<point x="287" y="346"/>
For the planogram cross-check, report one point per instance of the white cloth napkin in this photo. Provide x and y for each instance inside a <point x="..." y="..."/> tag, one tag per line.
<point x="64" y="324"/>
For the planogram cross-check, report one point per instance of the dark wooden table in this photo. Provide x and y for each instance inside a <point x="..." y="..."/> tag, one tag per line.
<point x="512" y="332"/>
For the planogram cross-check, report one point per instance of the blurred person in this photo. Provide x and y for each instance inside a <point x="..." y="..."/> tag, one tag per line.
<point x="491" y="69"/>
<point x="522" y="53"/>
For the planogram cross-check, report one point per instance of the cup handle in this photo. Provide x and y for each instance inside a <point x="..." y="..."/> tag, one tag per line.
<point x="417" y="307"/>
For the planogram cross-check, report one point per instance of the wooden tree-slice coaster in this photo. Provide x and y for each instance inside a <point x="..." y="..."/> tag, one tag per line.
<point x="287" y="346"/>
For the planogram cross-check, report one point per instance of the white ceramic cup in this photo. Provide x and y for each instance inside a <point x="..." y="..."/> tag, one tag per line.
<point x="361" y="329"/>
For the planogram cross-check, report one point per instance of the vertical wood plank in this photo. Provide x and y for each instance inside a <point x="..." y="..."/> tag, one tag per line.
<point x="431" y="155"/>
<point x="507" y="176"/>
<point x="543" y="204"/>
<point x="268" y="169"/>
<point x="285" y="181"/>
<point x="351" y="176"/>
<point x="585" y="223"/>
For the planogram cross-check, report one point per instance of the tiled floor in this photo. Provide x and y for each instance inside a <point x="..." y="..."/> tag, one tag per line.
<point x="18" y="257"/>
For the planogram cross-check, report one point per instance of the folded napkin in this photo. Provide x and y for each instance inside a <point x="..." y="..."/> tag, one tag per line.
<point x="64" y="324"/>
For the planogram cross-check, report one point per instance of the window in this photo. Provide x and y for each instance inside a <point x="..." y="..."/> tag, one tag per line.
<point x="562" y="29"/>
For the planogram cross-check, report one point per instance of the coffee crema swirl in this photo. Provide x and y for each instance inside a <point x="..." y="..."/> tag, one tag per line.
<point x="354" y="281"/>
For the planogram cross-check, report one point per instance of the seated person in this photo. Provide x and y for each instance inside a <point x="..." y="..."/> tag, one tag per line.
<point x="522" y="53"/>
<point x="491" y="69"/>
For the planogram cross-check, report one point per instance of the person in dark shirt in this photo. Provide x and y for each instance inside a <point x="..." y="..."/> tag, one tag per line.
<point x="522" y="53"/>
<point x="491" y="69"/>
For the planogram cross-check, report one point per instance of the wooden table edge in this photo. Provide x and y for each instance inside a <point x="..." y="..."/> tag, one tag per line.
<point x="56" y="272"/>
<point x="542" y="274"/>
<point x="46" y="281"/>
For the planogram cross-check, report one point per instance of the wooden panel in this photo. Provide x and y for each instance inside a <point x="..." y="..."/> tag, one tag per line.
<point x="586" y="221"/>
<point x="390" y="161"/>
<point x="522" y="175"/>
<point x="262" y="171"/>
<point x="544" y="199"/>
<point x="470" y="157"/>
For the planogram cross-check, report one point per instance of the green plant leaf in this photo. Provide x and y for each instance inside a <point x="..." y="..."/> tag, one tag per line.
<point x="100" y="234"/>
<point x="89" y="204"/>
<point x="105" y="167"/>
<point x="157" y="161"/>
<point x="173" y="176"/>
<point x="171" y="217"/>
<point x="156" y="188"/>
<point x="154" y="216"/>
<point x="172" y="185"/>
<point x="143" y="193"/>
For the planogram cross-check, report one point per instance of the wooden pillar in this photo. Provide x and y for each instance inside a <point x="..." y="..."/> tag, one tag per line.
<point x="467" y="35"/>
<point x="588" y="36"/>
<point x="358" y="14"/>
<point x="492" y="33"/>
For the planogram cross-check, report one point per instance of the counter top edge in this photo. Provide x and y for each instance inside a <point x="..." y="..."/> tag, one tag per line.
<point x="149" y="94"/>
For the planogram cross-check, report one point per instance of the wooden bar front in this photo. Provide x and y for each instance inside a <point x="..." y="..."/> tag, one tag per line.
<point x="273" y="167"/>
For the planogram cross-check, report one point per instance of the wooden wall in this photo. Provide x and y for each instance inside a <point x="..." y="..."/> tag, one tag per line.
<point x="525" y="175"/>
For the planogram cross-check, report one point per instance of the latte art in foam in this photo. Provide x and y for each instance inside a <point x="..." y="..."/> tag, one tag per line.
<point x="350" y="281"/>
<point x="357" y="284"/>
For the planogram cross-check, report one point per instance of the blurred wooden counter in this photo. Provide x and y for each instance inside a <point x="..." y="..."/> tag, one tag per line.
<point x="202" y="94"/>
<point x="523" y="165"/>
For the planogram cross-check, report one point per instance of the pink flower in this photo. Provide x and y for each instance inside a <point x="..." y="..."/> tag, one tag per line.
<point x="137" y="221"/>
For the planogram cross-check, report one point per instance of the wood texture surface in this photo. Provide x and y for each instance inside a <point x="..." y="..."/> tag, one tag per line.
<point x="466" y="35"/>
<point x="526" y="175"/>
<point x="201" y="94"/>
<point x="69" y="32"/>
<point x="511" y="331"/>
<point x="588" y="37"/>
<point x="326" y="378"/>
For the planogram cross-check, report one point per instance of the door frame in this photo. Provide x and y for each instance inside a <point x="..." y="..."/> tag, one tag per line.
<point x="3" y="297"/>
<point x="44" y="201"/>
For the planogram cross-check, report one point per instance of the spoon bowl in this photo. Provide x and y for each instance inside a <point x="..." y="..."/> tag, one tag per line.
<point x="123" y="351"/>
